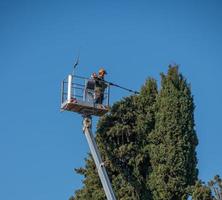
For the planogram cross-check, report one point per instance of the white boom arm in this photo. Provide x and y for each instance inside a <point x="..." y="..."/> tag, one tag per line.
<point x="87" y="129"/>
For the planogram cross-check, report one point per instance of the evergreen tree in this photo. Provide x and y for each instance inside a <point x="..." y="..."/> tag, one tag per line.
<point x="147" y="143"/>
<point x="201" y="192"/>
<point x="172" y="144"/>
<point x="212" y="191"/>
<point x="122" y="140"/>
<point x="216" y="187"/>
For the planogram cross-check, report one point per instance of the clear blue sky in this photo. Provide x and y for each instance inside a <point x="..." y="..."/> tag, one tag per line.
<point x="39" y="40"/>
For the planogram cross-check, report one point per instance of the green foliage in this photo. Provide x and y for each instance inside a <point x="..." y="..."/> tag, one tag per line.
<point x="92" y="186"/>
<point x="201" y="192"/>
<point x="173" y="141"/>
<point x="216" y="187"/>
<point x="147" y="143"/>
<point x="121" y="139"/>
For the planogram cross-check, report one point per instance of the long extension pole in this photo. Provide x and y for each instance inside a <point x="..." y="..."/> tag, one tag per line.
<point x="113" y="84"/>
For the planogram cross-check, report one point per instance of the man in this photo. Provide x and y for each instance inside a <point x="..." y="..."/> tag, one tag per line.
<point x="100" y="86"/>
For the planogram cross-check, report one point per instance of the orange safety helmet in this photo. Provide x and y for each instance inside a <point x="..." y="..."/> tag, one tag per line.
<point x="102" y="72"/>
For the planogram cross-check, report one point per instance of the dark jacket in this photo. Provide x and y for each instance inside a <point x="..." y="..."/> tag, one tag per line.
<point x="100" y="85"/>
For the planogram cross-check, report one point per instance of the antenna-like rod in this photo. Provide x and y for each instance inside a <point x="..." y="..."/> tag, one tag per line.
<point x="75" y="65"/>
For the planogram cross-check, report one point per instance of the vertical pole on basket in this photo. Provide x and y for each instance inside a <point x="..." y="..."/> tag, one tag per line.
<point x="62" y="92"/>
<point x="69" y="91"/>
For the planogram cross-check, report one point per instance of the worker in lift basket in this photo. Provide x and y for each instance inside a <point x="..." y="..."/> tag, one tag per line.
<point x="100" y="86"/>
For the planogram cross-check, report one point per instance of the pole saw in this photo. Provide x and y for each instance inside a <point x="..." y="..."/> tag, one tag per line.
<point x="111" y="84"/>
<point x="115" y="85"/>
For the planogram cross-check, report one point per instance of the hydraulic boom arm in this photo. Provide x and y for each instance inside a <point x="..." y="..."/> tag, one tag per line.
<point x="87" y="129"/>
